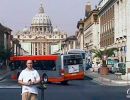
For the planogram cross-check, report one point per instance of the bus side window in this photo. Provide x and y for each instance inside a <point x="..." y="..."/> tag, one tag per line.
<point x="52" y="65"/>
<point x="65" y="62"/>
<point x="23" y="65"/>
<point x="11" y="65"/>
<point x="37" y="65"/>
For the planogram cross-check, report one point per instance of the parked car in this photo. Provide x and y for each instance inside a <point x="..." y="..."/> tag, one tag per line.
<point x="122" y="68"/>
<point x="119" y="67"/>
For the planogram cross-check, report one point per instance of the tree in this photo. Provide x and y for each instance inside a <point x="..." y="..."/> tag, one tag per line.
<point x="104" y="54"/>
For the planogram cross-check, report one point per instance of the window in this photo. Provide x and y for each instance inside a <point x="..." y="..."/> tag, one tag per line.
<point x="38" y="65"/>
<point x="73" y="60"/>
<point x="61" y="36"/>
<point x="45" y="65"/>
<point x="50" y="36"/>
<point x="40" y="29"/>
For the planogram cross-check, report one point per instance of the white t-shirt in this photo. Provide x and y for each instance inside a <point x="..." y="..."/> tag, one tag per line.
<point x="25" y="76"/>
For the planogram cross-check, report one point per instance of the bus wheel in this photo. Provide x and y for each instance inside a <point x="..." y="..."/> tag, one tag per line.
<point x="64" y="83"/>
<point x="44" y="78"/>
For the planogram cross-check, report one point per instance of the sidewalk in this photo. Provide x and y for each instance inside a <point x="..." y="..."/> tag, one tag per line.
<point x="5" y="74"/>
<point x="110" y="79"/>
<point x="6" y="81"/>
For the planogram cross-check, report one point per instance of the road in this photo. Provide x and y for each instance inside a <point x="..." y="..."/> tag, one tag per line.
<point x="76" y="90"/>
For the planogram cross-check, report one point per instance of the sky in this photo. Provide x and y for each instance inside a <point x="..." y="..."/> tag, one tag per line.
<point x="64" y="14"/>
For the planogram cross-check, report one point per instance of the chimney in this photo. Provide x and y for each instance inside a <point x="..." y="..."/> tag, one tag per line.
<point x="87" y="9"/>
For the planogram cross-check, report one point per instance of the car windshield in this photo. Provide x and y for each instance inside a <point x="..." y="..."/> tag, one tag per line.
<point x="121" y="65"/>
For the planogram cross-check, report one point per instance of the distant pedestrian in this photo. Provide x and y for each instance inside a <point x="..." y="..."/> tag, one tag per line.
<point x="28" y="78"/>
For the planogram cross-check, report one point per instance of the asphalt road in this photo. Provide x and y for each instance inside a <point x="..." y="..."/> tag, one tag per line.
<point x="76" y="90"/>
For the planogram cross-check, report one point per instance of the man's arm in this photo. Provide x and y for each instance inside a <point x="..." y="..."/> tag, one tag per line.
<point x="23" y="83"/>
<point x="36" y="81"/>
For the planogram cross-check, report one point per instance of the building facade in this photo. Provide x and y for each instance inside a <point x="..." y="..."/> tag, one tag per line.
<point x="91" y="31"/>
<point x="80" y="34"/>
<point x="69" y="43"/>
<point x="41" y="38"/>
<point x="121" y="28"/>
<point x="114" y="28"/>
<point x="5" y="37"/>
<point x="107" y="20"/>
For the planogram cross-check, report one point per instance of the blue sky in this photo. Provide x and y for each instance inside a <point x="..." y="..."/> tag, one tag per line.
<point x="16" y="14"/>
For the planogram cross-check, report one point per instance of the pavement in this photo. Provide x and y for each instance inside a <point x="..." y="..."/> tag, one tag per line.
<point x="9" y="84"/>
<point x="110" y="79"/>
<point x="6" y="81"/>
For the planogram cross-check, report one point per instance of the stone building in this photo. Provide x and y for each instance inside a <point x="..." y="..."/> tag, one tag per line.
<point x="121" y="28"/>
<point x="5" y="34"/>
<point x="69" y="43"/>
<point x="106" y="19"/>
<point x="80" y="34"/>
<point x="91" y="29"/>
<point x="41" y="38"/>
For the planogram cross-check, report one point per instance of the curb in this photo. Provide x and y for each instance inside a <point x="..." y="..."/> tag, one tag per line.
<point x="107" y="81"/>
<point x="11" y="87"/>
<point x="120" y="82"/>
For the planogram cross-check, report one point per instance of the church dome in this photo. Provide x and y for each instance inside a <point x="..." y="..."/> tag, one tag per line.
<point x="25" y="29"/>
<point x="41" y="18"/>
<point x="41" y="23"/>
<point x="56" y="30"/>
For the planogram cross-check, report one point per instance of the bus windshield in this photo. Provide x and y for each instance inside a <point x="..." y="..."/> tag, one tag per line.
<point x="77" y="51"/>
<point x="73" y="60"/>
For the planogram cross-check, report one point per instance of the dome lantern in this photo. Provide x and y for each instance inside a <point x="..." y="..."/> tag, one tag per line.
<point x="41" y="9"/>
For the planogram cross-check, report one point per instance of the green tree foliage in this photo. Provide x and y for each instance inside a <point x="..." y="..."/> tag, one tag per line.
<point x="106" y="52"/>
<point x="5" y="53"/>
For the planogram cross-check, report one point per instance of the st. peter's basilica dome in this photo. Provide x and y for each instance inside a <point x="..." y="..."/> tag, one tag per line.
<point x="41" y="22"/>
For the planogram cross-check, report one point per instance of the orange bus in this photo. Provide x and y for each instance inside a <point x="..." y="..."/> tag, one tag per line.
<point x="58" y="68"/>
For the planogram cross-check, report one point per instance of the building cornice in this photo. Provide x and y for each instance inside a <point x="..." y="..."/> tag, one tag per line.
<point x="91" y="13"/>
<point x="4" y="29"/>
<point x="106" y="6"/>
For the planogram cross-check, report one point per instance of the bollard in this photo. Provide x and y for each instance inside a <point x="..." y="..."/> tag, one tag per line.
<point x="43" y="85"/>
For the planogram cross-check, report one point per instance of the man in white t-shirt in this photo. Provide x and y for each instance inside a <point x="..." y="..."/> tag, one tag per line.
<point x="28" y="78"/>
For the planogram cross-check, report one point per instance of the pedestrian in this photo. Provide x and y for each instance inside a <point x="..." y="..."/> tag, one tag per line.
<point x="28" y="78"/>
